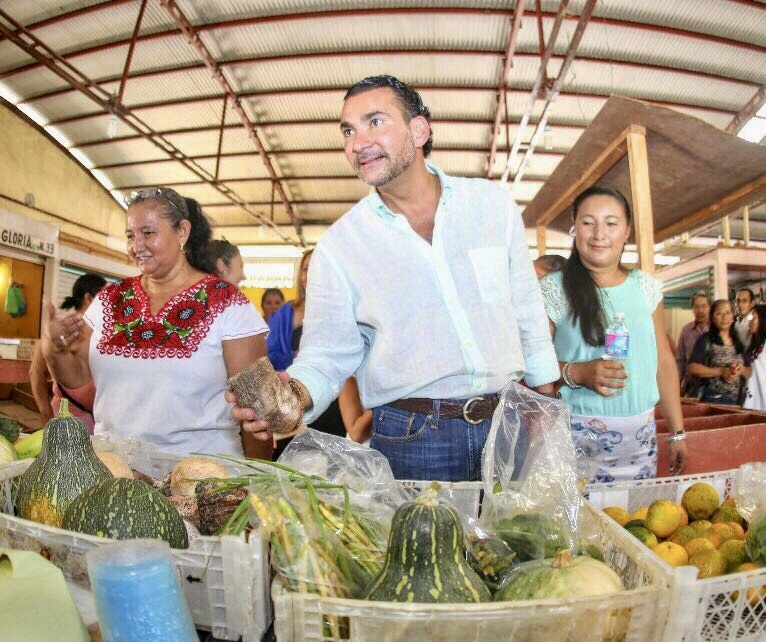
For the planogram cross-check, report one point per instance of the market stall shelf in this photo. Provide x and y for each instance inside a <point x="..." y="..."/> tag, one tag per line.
<point x="715" y="609"/>
<point x="225" y="579"/>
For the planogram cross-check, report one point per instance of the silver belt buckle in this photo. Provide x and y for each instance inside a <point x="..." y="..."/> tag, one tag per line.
<point x="467" y="408"/>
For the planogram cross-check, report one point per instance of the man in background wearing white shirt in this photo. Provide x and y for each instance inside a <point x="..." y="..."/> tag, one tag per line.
<point x="745" y="305"/>
<point x="425" y="289"/>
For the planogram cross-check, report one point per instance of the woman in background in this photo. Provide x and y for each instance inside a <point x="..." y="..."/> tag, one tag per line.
<point x="719" y="358"/>
<point x="756" y="384"/>
<point x="271" y="301"/>
<point x="81" y="399"/>
<point x="581" y="302"/>
<point x="227" y="261"/>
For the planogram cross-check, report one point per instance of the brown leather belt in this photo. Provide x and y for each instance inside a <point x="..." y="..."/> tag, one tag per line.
<point x="473" y="410"/>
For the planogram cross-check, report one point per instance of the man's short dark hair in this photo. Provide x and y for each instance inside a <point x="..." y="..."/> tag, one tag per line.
<point x="749" y="291"/>
<point x="700" y="295"/>
<point x="410" y="100"/>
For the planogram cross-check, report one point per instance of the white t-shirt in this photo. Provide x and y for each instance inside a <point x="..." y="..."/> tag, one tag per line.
<point x="162" y="378"/>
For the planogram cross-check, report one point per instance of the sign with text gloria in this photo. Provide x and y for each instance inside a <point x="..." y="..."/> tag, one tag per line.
<point x="28" y="242"/>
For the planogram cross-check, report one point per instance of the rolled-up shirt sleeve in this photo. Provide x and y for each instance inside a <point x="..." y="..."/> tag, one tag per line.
<point x="536" y="346"/>
<point x="331" y="346"/>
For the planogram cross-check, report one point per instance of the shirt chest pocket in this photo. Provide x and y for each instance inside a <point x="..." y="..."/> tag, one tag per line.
<point x="490" y="267"/>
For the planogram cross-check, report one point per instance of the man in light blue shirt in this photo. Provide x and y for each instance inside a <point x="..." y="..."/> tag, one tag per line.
<point x="425" y="291"/>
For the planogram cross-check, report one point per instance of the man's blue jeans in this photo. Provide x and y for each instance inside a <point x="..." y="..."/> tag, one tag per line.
<point x="428" y="447"/>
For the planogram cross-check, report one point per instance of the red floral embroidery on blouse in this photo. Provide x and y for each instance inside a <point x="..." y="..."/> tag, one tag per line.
<point x="131" y="330"/>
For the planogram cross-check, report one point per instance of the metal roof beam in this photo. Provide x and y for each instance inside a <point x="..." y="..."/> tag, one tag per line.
<point x="518" y="12"/>
<point x="346" y="13"/>
<point x="131" y="48"/>
<point x="250" y="179"/>
<point x="323" y="90"/>
<point x="34" y="47"/>
<point x="194" y="40"/>
<point x="285" y="152"/>
<point x="287" y="123"/>
<point x="552" y="92"/>
<point x="348" y="53"/>
<point x="748" y="111"/>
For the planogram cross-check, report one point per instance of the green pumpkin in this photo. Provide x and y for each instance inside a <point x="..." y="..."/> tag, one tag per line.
<point x="531" y="535"/>
<point x="66" y="467"/>
<point x="123" y="508"/>
<point x="9" y="428"/>
<point x="425" y="561"/>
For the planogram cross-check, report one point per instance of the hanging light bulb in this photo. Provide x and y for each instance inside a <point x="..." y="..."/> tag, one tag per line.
<point x="547" y="137"/>
<point x="111" y="129"/>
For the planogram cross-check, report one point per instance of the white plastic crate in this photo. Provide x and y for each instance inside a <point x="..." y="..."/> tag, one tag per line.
<point x="636" y="615"/>
<point x="704" y="609"/>
<point x="225" y="579"/>
<point x="465" y="496"/>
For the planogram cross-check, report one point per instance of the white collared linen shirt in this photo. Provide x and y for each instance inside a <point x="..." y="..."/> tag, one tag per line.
<point x="455" y="318"/>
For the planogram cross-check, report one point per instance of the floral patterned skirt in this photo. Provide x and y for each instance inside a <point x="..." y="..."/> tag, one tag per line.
<point x="627" y="445"/>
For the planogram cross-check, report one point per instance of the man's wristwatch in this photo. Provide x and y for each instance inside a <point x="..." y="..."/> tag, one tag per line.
<point x="677" y="436"/>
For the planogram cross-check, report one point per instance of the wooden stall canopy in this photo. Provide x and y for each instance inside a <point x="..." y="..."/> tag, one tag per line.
<point x="696" y="172"/>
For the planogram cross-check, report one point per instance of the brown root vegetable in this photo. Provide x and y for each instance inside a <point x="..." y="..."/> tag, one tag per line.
<point x="187" y="508"/>
<point x="215" y="507"/>
<point x="258" y="387"/>
<point x="147" y="479"/>
<point x="115" y="464"/>
<point x="187" y="473"/>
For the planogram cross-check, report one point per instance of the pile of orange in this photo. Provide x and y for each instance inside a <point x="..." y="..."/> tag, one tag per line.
<point x="700" y="531"/>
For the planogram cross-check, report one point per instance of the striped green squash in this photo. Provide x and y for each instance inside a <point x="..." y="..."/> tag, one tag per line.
<point x="66" y="466"/>
<point x="425" y="561"/>
<point x="123" y="508"/>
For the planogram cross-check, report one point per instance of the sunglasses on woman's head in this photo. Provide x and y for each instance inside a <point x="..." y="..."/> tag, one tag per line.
<point x="148" y="194"/>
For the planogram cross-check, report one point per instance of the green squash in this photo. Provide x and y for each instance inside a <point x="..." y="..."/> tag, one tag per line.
<point x="425" y="561"/>
<point x="560" y="578"/>
<point x="531" y="536"/>
<point x="123" y="508"/>
<point x="9" y="428"/>
<point x="66" y="467"/>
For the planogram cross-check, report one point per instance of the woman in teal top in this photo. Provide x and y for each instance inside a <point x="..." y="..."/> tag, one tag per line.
<point x="608" y="398"/>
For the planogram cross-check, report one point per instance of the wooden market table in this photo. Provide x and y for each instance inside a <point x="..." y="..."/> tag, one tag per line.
<point x="14" y="370"/>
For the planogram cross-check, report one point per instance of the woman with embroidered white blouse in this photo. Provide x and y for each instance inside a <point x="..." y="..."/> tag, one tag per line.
<point x="160" y="346"/>
<point x="610" y="400"/>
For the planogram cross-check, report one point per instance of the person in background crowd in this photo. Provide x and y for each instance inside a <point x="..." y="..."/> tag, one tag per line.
<point x="271" y="301"/>
<point x="756" y="385"/>
<point x="84" y="289"/>
<point x="719" y="359"/>
<point x="692" y="331"/>
<point x="286" y="324"/>
<point x="356" y="419"/>
<point x="286" y="329"/>
<point x="431" y="311"/>
<point x="613" y="400"/>
<point x="548" y="263"/>
<point x="745" y="304"/>
<point x="227" y="261"/>
<point x="160" y="346"/>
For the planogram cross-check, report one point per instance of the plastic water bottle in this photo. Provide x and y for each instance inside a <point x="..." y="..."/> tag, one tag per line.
<point x="617" y="340"/>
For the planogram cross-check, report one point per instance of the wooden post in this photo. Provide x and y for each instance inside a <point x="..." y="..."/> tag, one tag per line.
<point x="726" y="226"/>
<point x="643" y="220"/>
<point x="746" y="225"/>
<point x="541" y="240"/>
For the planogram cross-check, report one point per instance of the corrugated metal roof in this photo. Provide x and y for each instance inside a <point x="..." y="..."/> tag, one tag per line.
<point x="638" y="49"/>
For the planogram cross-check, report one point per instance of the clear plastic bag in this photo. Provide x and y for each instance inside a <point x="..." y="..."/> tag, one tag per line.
<point x="750" y="483"/>
<point x="530" y="475"/>
<point x="328" y="527"/>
